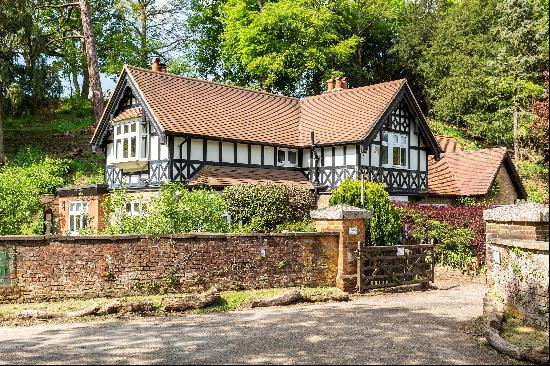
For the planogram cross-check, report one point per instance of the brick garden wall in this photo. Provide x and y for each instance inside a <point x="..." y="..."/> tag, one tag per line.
<point x="39" y="268"/>
<point x="517" y="262"/>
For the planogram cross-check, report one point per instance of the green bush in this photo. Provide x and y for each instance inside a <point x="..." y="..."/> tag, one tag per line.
<point x="455" y="245"/>
<point x="176" y="210"/>
<point x="384" y="228"/>
<point x="265" y="207"/>
<point x="21" y="184"/>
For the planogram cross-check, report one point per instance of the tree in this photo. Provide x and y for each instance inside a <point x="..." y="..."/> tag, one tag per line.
<point x="416" y="27"/>
<point x="150" y="27"/>
<point x="522" y="31"/>
<point x="93" y="64"/>
<point x="280" y="44"/>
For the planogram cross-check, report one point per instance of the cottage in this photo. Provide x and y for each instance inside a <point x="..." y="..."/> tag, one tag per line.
<point x="485" y="175"/>
<point x="158" y="127"/>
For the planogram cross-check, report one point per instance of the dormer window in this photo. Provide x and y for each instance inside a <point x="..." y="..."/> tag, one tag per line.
<point x="287" y="157"/>
<point x="130" y="137"/>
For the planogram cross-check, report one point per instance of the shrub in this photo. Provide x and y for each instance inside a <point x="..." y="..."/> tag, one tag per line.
<point x="264" y="207"/>
<point x="176" y="210"/>
<point x="21" y="184"/>
<point x="461" y="231"/>
<point x="384" y="228"/>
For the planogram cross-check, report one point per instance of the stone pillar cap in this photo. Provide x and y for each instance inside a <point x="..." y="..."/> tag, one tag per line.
<point x="341" y="212"/>
<point x="526" y="211"/>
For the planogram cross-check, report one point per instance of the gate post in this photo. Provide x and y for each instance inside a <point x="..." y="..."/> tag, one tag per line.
<point x="349" y="223"/>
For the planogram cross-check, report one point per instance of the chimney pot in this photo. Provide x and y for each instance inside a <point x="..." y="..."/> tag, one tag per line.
<point x="155" y="65"/>
<point x="330" y="84"/>
<point x="339" y="84"/>
<point x="344" y="82"/>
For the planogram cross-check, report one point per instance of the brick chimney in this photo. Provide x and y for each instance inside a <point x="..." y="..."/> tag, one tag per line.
<point x="339" y="85"/>
<point x="156" y="65"/>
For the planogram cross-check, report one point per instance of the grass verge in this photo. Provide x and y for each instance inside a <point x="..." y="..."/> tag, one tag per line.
<point x="230" y="301"/>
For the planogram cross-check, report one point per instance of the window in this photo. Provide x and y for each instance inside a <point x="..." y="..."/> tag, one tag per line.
<point x="394" y="150"/>
<point x="131" y="141"/>
<point x="136" y="208"/>
<point x="287" y="157"/>
<point x="78" y="216"/>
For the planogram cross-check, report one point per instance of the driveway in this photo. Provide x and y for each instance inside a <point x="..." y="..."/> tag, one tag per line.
<point x="403" y="328"/>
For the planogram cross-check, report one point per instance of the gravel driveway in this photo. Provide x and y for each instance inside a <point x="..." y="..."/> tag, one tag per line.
<point x="412" y="328"/>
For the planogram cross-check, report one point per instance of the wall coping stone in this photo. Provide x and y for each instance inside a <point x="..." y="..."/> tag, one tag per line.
<point x="523" y="244"/>
<point x="66" y="238"/>
<point x="339" y="212"/>
<point x="523" y="212"/>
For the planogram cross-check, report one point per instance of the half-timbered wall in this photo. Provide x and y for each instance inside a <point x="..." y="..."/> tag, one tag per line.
<point x="178" y="158"/>
<point x="339" y="162"/>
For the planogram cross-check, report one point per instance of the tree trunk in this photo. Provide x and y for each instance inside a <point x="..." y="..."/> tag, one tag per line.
<point x="93" y="65"/>
<point x="143" y="37"/>
<point x="2" y="153"/>
<point x="74" y="76"/>
<point x="85" y="90"/>
<point x="516" y="142"/>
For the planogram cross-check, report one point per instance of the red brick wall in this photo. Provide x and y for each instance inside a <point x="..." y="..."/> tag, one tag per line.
<point x="517" y="230"/>
<point x="83" y="267"/>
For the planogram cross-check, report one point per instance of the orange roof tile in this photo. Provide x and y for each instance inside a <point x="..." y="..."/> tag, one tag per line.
<point x="448" y="144"/>
<point x="204" y="108"/>
<point x="465" y="173"/>
<point x="198" y="107"/>
<point x="346" y="115"/>
<point x="220" y="176"/>
<point x="127" y="114"/>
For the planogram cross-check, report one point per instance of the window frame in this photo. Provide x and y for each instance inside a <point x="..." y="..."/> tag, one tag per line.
<point x="75" y="216"/>
<point x="286" y="162"/>
<point x="141" y="208"/>
<point x="130" y="135"/>
<point x="402" y="144"/>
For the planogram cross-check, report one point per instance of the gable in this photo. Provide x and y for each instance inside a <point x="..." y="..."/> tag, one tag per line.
<point x="125" y="95"/>
<point x="402" y="114"/>
<point x="470" y="173"/>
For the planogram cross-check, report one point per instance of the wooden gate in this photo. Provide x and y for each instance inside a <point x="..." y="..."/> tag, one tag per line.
<point x="387" y="266"/>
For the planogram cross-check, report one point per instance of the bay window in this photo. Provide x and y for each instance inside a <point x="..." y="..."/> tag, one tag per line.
<point x="287" y="157"/>
<point x="130" y="140"/>
<point x="394" y="150"/>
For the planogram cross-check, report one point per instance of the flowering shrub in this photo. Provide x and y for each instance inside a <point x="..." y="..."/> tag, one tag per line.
<point x="417" y="221"/>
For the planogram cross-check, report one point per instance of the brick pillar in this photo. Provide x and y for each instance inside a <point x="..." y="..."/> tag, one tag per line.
<point x="349" y="222"/>
<point x="516" y="249"/>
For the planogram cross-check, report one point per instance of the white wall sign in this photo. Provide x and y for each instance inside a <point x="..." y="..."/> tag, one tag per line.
<point x="496" y="256"/>
<point x="353" y="230"/>
<point x="400" y="251"/>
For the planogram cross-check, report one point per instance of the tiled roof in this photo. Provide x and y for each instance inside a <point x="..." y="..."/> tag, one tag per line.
<point x="220" y="176"/>
<point x="127" y="114"/>
<point x="346" y="115"/>
<point x="198" y="107"/>
<point x="204" y="108"/>
<point x="464" y="173"/>
<point x="448" y="144"/>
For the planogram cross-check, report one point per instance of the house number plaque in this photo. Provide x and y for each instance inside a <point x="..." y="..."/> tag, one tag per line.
<point x="353" y="230"/>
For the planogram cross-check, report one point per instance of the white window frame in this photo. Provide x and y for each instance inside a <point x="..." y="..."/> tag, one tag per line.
<point x="286" y="163"/>
<point x="140" y="135"/>
<point x="395" y="140"/>
<point x="136" y="207"/>
<point x="78" y="216"/>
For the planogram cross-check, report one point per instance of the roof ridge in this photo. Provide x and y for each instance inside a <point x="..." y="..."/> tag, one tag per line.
<point x="343" y="91"/>
<point x="209" y="82"/>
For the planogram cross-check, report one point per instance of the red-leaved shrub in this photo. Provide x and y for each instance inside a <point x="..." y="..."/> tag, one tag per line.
<point x="460" y="216"/>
